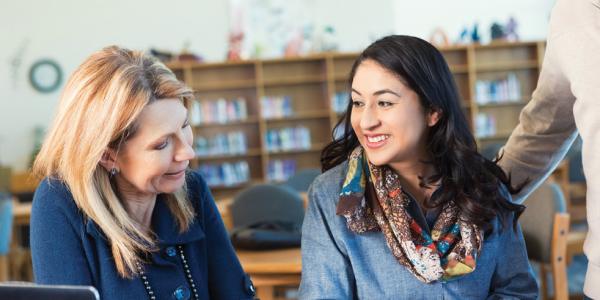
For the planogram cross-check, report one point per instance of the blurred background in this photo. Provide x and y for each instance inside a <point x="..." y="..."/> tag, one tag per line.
<point x="270" y="77"/>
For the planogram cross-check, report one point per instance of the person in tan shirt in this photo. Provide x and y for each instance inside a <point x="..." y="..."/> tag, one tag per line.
<point x="566" y="102"/>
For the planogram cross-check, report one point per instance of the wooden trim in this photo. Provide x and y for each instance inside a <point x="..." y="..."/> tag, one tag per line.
<point x="4" y="270"/>
<point x="558" y="256"/>
<point x="543" y="281"/>
<point x="518" y="65"/>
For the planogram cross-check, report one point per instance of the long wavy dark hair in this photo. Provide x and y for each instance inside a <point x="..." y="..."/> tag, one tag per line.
<point x="467" y="178"/>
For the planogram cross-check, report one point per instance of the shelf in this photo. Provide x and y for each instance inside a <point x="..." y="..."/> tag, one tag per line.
<point x="341" y="77"/>
<point x="178" y="65"/>
<point x="497" y="67"/>
<point x="249" y="153"/>
<point x="247" y="121"/>
<point x="506" y="103"/>
<point x="459" y="68"/>
<point x="226" y="85"/>
<point x="300" y="116"/>
<point x="311" y="80"/>
<point x="295" y="80"/>
<point x="503" y="44"/>
<point x="315" y="148"/>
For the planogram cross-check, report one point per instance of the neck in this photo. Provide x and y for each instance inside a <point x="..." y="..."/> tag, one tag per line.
<point x="141" y="211"/>
<point x="138" y="205"/>
<point x="410" y="174"/>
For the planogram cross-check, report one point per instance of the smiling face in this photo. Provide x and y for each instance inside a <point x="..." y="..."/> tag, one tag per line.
<point x="387" y="116"/>
<point x="155" y="158"/>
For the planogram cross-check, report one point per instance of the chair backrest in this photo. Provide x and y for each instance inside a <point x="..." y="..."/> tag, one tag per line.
<point x="6" y="217"/>
<point x="303" y="179"/>
<point x="266" y="202"/>
<point x="490" y="151"/>
<point x="538" y="219"/>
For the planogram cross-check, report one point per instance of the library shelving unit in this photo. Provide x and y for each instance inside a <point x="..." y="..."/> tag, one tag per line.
<point x="290" y="106"/>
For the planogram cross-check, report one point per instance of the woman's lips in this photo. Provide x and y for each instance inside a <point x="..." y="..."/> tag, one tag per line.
<point x="175" y="175"/>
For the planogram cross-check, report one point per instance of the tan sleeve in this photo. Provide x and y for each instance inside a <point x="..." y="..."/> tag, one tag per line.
<point x="546" y="126"/>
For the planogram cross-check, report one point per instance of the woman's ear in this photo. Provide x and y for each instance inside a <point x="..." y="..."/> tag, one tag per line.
<point x="109" y="159"/>
<point x="433" y="117"/>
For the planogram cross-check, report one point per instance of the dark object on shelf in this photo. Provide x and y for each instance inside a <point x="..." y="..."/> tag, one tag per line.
<point x="163" y="56"/>
<point x="45" y="75"/>
<point x="511" y="30"/>
<point x="497" y="32"/>
<point x="475" y="38"/>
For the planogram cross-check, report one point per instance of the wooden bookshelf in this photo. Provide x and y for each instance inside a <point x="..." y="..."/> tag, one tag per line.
<point x="312" y="82"/>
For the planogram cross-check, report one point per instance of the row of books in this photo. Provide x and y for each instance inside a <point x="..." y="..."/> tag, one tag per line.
<point x="281" y="169"/>
<point x="276" y="106"/>
<point x="339" y="102"/>
<point x="225" y="174"/>
<point x="223" y="143"/>
<point x="288" y="138"/>
<point x="496" y="91"/>
<point x="485" y="125"/>
<point x="218" y="111"/>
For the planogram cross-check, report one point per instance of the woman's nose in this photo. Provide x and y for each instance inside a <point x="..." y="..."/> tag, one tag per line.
<point x="369" y="119"/>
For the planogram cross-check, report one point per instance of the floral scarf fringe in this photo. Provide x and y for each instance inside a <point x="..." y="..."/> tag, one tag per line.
<point x="380" y="204"/>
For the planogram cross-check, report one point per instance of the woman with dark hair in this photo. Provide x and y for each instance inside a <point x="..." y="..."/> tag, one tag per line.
<point x="407" y="207"/>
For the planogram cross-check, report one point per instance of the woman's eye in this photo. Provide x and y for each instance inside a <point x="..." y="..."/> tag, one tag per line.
<point x="356" y="103"/>
<point x="163" y="145"/>
<point x="186" y="124"/>
<point x="385" y="103"/>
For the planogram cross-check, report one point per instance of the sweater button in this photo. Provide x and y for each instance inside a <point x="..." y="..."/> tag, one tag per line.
<point x="171" y="251"/>
<point x="250" y="289"/>
<point x="181" y="293"/>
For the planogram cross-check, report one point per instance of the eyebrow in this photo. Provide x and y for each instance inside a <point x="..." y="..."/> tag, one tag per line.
<point x="380" y="92"/>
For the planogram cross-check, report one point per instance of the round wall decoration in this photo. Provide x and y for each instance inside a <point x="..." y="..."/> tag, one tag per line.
<point x="45" y="75"/>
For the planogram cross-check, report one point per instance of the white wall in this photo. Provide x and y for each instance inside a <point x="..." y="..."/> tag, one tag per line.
<point x="69" y="30"/>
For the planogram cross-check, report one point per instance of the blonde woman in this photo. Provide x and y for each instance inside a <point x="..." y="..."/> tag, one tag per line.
<point x="118" y="209"/>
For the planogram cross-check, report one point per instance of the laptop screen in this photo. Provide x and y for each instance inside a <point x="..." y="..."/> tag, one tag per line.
<point x="20" y="291"/>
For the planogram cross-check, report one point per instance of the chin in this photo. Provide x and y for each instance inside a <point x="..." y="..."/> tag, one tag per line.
<point x="378" y="161"/>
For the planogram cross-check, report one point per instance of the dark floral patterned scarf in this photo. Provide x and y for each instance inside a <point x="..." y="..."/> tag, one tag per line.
<point x="373" y="200"/>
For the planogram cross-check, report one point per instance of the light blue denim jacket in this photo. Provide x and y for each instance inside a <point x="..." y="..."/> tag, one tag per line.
<point x="339" y="264"/>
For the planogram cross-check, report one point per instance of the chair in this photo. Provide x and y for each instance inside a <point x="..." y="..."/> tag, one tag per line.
<point x="545" y="226"/>
<point x="6" y="218"/>
<point x="268" y="202"/>
<point x="491" y="150"/>
<point x="303" y="179"/>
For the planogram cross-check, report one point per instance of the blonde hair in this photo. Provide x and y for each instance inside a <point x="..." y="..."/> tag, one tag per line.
<point x="99" y="108"/>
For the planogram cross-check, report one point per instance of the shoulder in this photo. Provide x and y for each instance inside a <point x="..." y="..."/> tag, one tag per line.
<point x="504" y="220"/>
<point x="53" y="194"/>
<point x="505" y="193"/>
<point x="53" y="203"/>
<point x="326" y="188"/>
